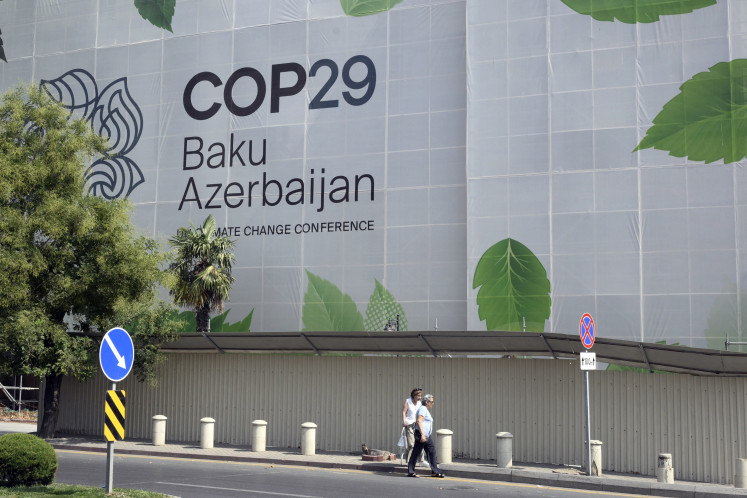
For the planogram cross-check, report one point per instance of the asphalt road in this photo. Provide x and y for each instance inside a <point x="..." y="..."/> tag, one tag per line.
<point x="202" y="478"/>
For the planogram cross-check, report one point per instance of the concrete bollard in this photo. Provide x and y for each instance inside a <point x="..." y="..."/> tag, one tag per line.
<point x="308" y="438"/>
<point x="159" y="430"/>
<point x="740" y="477"/>
<point x="259" y="435"/>
<point x="504" y="457"/>
<point x="596" y="458"/>
<point x="443" y="445"/>
<point x="207" y="432"/>
<point x="665" y="471"/>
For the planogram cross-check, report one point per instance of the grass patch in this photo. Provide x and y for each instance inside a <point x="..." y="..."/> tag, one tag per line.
<point x="74" y="490"/>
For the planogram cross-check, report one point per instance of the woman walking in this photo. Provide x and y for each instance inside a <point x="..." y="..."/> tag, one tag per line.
<point x="423" y="440"/>
<point x="408" y="419"/>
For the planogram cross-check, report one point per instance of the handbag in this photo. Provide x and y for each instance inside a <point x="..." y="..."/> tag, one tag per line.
<point x="402" y="441"/>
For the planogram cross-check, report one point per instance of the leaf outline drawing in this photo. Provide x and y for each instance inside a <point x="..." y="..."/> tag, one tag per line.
<point x="113" y="114"/>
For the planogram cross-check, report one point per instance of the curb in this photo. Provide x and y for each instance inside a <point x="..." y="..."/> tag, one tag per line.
<point x="600" y="484"/>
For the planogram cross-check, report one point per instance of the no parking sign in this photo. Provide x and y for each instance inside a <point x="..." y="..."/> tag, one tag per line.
<point x="588" y="362"/>
<point x="586" y="330"/>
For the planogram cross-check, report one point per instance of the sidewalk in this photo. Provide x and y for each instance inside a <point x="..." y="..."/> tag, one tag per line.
<point x="539" y="474"/>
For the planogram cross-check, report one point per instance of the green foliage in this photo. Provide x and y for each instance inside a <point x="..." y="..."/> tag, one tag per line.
<point x="513" y="285"/>
<point x="157" y="12"/>
<point x="326" y="308"/>
<point x="26" y="460"/>
<point x="151" y="326"/>
<point x="707" y="120"/>
<point x="381" y="307"/>
<point x="35" y="344"/>
<point x="635" y="11"/>
<point x="201" y="269"/>
<point x="67" y="259"/>
<point x="50" y="238"/>
<point x="360" y="8"/>
<point x="76" y="491"/>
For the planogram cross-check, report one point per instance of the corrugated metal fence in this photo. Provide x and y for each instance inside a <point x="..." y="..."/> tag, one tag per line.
<point x="700" y="420"/>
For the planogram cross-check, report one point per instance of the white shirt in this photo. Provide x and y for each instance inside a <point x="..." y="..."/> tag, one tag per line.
<point x="412" y="409"/>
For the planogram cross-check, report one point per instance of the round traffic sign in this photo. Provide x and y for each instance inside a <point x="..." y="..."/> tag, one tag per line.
<point x="586" y="330"/>
<point x="116" y="354"/>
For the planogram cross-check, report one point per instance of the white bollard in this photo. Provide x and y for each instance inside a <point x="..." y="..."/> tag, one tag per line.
<point x="740" y="478"/>
<point x="308" y="438"/>
<point x="259" y="435"/>
<point x="443" y="445"/>
<point x="159" y="430"/>
<point x="596" y="458"/>
<point x="207" y="432"/>
<point x="665" y="471"/>
<point x="504" y="457"/>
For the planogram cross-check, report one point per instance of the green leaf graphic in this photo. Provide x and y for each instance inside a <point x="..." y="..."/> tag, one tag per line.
<point x="326" y="308"/>
<point x="633" y="11"/>
<point x="707" y="120"/>
<point x="513" y="285"/>
<point x="360" y="8"/>
<point x="217" y="323"/>
<point x="381" y="307"/>
<point x="189" y="322"/>
<point x="158" y="12"/>
<point x="244" y="325"/>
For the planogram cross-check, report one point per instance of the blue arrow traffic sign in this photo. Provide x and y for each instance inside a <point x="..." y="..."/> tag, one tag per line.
<point x="116" y="354"/>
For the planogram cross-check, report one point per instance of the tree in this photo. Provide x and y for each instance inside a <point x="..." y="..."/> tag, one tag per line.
<point x="202" y="270"/>
<point x="71" y="265"/>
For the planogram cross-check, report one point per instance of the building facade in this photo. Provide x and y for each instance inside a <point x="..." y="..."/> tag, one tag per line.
<point x="459" y="164"/>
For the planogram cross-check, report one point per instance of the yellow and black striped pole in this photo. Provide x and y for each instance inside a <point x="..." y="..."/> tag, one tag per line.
<point x="114" y="414"/>
<point x="114" y="410"/>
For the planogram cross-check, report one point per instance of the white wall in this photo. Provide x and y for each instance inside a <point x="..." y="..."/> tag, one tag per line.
<point x="700" y="420"/>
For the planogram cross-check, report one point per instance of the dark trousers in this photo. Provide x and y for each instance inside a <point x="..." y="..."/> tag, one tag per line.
<point x="430" y="450"/>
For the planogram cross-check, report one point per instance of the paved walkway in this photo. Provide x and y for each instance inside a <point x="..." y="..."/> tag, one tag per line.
<point x="546" y="475"/>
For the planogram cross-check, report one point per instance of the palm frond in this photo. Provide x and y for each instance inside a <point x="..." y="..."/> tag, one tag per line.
<point x="201" y="262"/>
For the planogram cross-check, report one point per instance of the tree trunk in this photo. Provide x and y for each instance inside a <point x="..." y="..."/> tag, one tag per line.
<point x="52" y="385"/>
<point x="203" y="320"/>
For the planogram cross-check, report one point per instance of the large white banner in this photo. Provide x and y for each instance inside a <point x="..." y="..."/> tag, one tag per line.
<point x="450" y="164"/>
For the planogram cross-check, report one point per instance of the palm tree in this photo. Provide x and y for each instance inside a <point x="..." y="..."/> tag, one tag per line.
<point x="202" y="267"/>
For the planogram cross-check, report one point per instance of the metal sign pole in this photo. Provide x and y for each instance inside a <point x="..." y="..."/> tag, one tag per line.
<point x="587" y="332"/>
<point x="588" y="423"/>
<point x="116" y="357"/>
<point x="110" y="455"/>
